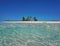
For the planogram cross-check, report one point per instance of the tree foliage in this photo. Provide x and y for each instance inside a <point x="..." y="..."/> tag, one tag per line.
<point x="35" y="19"/>
<point x="29" y="18"/>
<point x="23" y="18"/>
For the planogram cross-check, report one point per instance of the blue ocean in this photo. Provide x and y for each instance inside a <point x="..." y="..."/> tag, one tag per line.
<point x="29" y="34"/>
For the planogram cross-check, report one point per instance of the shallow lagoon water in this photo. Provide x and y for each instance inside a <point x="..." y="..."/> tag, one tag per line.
<point x="25" y="34"/>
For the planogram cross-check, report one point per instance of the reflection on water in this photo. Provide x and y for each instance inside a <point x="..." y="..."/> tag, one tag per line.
<point x="29" y="34"/>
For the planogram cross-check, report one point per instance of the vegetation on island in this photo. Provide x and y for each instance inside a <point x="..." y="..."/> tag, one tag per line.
<point x="35" y="19"/>
<point x="29" y="18"/>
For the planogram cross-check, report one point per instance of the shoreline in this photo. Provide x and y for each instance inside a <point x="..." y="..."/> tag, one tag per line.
<point x="30" y="21"/>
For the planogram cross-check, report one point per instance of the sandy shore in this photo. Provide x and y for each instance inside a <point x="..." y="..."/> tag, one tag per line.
<point x="30" y="21"/>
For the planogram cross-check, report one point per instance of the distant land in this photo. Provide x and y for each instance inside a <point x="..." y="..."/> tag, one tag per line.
<point x="32" y="20"/>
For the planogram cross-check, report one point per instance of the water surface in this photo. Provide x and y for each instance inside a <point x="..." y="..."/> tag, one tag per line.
<point x="18" y="34"/>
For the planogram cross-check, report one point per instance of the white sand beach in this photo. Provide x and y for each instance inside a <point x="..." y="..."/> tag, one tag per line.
<point x="30" y="21"/>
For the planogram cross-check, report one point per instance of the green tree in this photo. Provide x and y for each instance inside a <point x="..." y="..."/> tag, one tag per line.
<point x="35" y="19"/>
<point x="23" y="18"/>
<point x="28" y="18"/>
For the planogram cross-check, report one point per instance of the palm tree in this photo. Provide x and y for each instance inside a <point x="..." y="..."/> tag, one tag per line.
<point x="23" y="18"/>
<point x="28" y="18"/>
<point x="35" y="19"/>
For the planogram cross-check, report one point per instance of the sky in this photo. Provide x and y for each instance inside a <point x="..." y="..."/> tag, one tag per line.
<point x="42" y="9"/>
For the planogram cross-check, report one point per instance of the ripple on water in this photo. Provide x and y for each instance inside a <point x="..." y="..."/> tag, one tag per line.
<point x="29" y="35"/>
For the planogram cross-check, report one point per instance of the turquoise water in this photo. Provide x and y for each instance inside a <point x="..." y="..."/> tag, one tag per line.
<point x="18" y="34"/>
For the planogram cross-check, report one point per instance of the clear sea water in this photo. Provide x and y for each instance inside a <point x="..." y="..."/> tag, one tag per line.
<point x="18" y="34"/>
